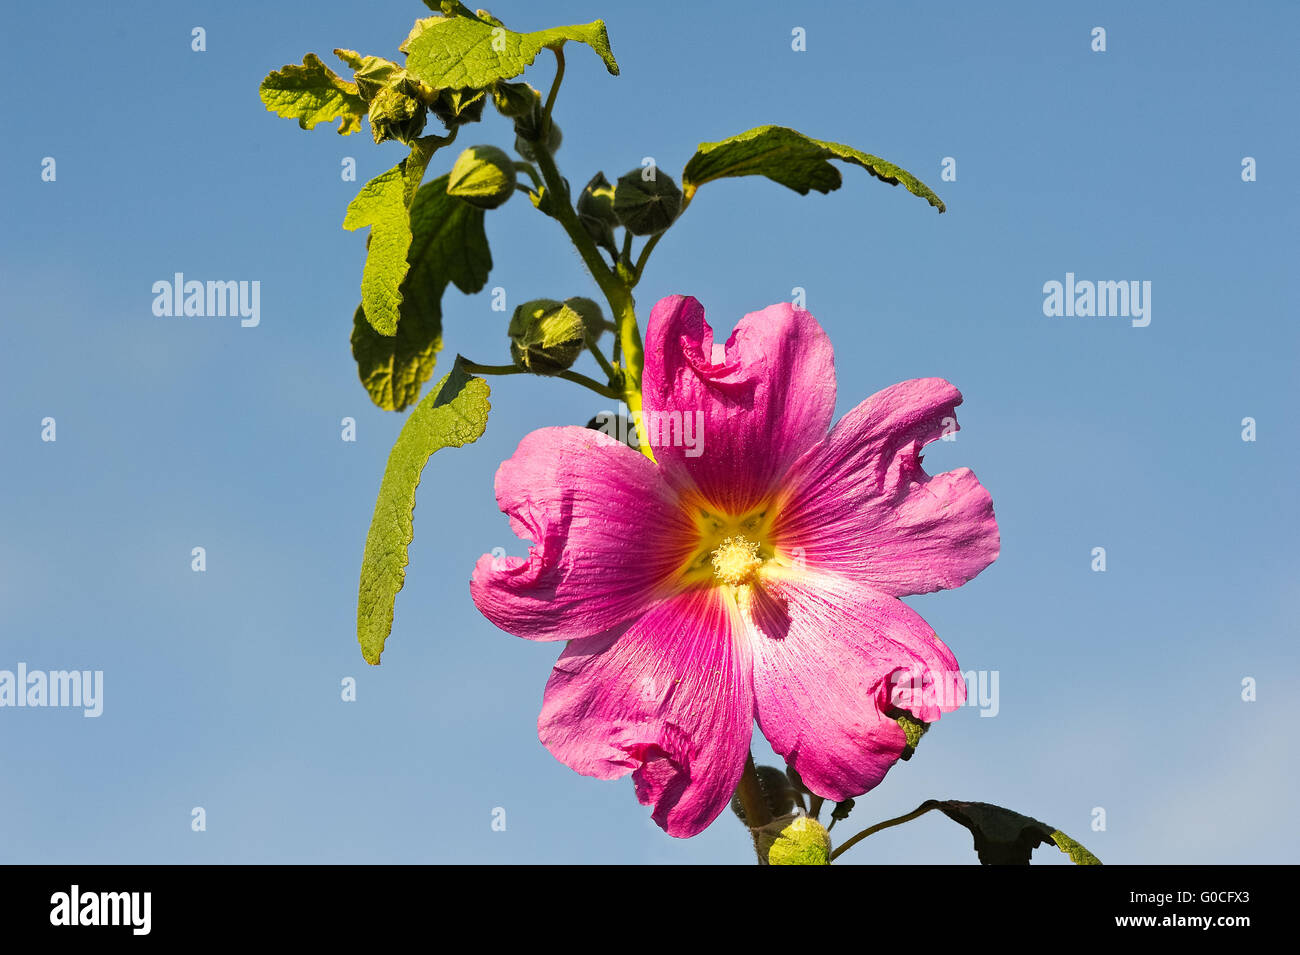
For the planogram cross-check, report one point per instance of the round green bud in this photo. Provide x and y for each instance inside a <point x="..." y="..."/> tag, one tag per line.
<point x="617" y="426"/>
<point x="532" y="123"/>
<point x="596" y="211"/>
<point x="374" y="74"/>
<point x="777" y="791"/>
<point x="398" y="110"/>
<point x="524" y="146"/>
<point x="457" y="107"/>
<point x="483" y="176"/>
<point x="803" y="841"/>
<point x="546" y="336"/>
<point x="593" y="319"/>
<point x="514" y="100"/>
<point x="646" y="201"/>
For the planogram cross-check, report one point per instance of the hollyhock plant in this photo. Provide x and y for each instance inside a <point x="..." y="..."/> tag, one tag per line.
<point x="747" y="569"/>
<point x="759" y="580"/>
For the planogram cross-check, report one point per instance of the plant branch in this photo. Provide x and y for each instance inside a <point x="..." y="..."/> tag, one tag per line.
<point x="475" y="368"/>
<point x="618" y="294"/>
<point x="529" y="170"/>
<point x="555" y="85"/>
<point x="601" y="360"/>
<point x="920" y="810"/>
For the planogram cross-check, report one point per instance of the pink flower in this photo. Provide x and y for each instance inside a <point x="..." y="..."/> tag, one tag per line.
<point x="756" y="580"/>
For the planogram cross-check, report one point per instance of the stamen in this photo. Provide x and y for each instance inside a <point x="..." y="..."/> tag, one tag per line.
<point x="735" y="560"/>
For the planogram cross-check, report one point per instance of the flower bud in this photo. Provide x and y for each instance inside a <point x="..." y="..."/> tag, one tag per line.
<point x="596" y="211"/>
<point x="524" y="145"/>
<point x="457" y="107"/>
<point x="617" y="426"/>
<point x="531" y="123"/>
<point x="546" y="336"/>
<point x="514" y="100"/>
<point x="395" y="114"/>
<point x="483" y="176"/>
<point x="646" y="206"/>
<point x="592" y="317"/>
<point x="796" y="840"/>
<point x="372" y="73"/>
<point x="777" y="792"/>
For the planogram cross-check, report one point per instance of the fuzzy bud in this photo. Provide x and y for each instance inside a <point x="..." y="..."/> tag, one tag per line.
<point x="483" y="176"/>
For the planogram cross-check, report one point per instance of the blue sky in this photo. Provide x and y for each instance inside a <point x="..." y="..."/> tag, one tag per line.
<point x="1120" y="690"/>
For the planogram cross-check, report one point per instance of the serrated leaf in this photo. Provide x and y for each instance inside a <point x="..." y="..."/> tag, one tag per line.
<point x="474" y="52"/>
<point x="793" y="160"/>
<point x="1004" y="837"/>
<point x="448" y="246"/>
<point x="383" y="204"/>
<point x="393" y="368"/>
<point x="1077" y="853"/>
<point x="453" y="414"/>
<point x="313" y="93"/>
<point x="449" y="242"/>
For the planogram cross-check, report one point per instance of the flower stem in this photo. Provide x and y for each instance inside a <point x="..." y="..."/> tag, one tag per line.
<point x="591" y="384"/>
<point x="617" y="291"/>
<point x="555" y="85"/>
<point x="529" y="170"/>
<point x="601" y="360"/>
<point x="815" y="806"/>
<point x="920" y="810"/>
<point x="752" y="800"/>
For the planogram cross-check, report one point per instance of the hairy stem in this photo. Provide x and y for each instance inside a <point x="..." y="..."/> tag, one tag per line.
<point x="555" y="84"/>
<point x="752" y="800"/>
<point x="617" y="292"/>
<point x="591" y="384"/>
<point x="920" y="810"/>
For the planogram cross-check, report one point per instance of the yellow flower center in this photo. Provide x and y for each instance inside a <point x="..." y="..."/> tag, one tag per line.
<point x="735" y="560"/>
<point x="728" y="549"/>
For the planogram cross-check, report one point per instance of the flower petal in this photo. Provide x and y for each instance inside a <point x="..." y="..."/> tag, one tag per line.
<point x="588" y="503"/>
<point x="668" y="699"/>
<point x="748" y="412"/>
<point x="862" y="506"/>
<point x="831" y="658"/>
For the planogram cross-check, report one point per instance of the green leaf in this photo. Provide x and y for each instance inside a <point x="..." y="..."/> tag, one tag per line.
<point x="383" y="204"/>
<point x="453" y="414"/>
<point x="1077" y="853"/>
<point x="792" y="159"/>
<point x="393" y="368"/>
<point x="474" y="52"/>
<point x="449" y="243"/>
<point x="448" y="246"/>
<point x="313" y="93"/>
<point x="1003" y="837"/>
